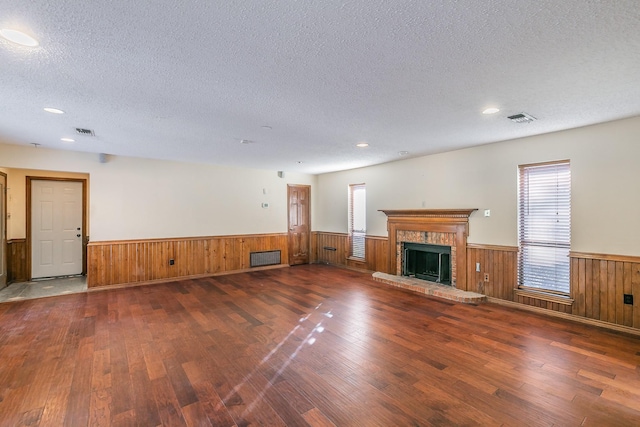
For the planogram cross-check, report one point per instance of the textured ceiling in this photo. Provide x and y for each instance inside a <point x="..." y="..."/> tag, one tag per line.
<point x="187" y="80"/>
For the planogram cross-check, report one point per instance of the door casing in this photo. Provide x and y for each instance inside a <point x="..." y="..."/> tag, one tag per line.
<point x="84" y="219"/>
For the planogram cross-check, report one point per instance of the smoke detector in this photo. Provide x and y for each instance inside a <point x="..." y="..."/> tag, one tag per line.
<point x="85" y="132"/>
<point x="521" y="118"/>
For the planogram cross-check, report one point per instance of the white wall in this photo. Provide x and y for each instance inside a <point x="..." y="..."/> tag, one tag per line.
<point x="132" y="198"/>
<point x="605" y="187"/>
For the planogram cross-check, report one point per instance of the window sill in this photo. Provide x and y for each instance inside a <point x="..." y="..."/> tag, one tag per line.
<point x="544" y="296"/>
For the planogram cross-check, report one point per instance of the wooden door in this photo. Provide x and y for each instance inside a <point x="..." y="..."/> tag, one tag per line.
<point x="299" y="223"/>
<point x="56" y="228"/>
<point x="3" y="230"/>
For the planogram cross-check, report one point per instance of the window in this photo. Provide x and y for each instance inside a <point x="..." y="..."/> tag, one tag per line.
<point x="357" y="220"/>
<point x="544" y="223"/>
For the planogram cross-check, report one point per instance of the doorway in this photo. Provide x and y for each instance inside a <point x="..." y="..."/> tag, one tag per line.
<point x="3" y="230"/>
<point x="56" y="224"/>
<point x="299" y="213"/>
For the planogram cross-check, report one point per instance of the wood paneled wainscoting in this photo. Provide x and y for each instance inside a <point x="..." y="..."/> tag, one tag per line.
<point x="599" y="283"/>
<point x="135" y="261"/>
<point x="499" y="263"/>
<point x="17" y="260"/>
<point x="498" y="278"/>
<point x="333" y="248"/>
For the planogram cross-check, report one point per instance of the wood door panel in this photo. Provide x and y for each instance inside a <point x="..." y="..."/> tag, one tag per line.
<point x="299" y="223"/>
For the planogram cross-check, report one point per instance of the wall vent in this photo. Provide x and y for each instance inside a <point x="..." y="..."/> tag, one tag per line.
<point x="259" y="259"/>
<point x="85" y="132"/>
<point x="521" y="118"/>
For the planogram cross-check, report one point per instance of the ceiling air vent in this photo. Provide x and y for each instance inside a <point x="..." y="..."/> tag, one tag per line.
<point x="521" y="118"/>
<point x="85" y="132"/>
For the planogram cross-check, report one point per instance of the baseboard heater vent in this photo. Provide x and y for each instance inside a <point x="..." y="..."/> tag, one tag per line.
<point x="259" y="259"/>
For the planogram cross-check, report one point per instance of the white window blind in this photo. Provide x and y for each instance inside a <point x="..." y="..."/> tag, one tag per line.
<point x="545" y="226"/>
<point x="357" y="220"/>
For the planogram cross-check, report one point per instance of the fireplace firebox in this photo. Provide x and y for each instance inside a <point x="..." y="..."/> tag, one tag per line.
<point x="427" y="262"/>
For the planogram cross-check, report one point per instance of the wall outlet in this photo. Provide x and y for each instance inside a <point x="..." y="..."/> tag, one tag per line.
<point x="628" y="299"/>
<point x="265" y="205"/>
<point x="171" y="262"/>
<point x="486" y="277"/>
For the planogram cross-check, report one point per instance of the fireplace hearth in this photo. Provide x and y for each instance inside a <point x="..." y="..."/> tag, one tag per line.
<point x="427" y="262"/>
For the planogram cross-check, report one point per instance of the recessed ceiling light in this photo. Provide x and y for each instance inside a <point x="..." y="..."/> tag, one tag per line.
<point x="403" y="153"/>
<point x="491" y="110"/>
<point x="18" y="37"/>
<point x="67" y="140"/>
<point x="53" y="110"/>
<point x="362" y="145"/>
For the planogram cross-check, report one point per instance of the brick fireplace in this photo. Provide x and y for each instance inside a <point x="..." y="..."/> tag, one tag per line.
<point x="447" y="227"/>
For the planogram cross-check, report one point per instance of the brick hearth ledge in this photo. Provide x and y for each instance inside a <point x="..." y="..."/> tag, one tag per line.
<point x="429" y="288"/>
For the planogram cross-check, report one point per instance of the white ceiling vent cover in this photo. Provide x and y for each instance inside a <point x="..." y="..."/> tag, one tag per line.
<point x="85" y="132"/>
<point x="521" y="118"/>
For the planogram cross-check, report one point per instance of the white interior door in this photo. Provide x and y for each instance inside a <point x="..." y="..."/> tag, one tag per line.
<point x="56" y="228"/>
<point x="3" y="231"/>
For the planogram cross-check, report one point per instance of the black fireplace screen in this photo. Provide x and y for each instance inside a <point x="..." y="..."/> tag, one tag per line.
<point x="427" y="262"/>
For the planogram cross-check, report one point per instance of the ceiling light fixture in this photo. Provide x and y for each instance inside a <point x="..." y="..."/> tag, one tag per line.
<point x="403" y="153"/>
<point x="491" y="110"/>
<point x="67" y="140"/>
<point x="53" y="110"/>
<point x="362" y="145"/>
<point x="18" y="37"/>
<point x="245" y="141"/>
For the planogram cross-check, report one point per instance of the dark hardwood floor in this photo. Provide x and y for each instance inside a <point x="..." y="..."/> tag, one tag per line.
<point x="307" y="345"/>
